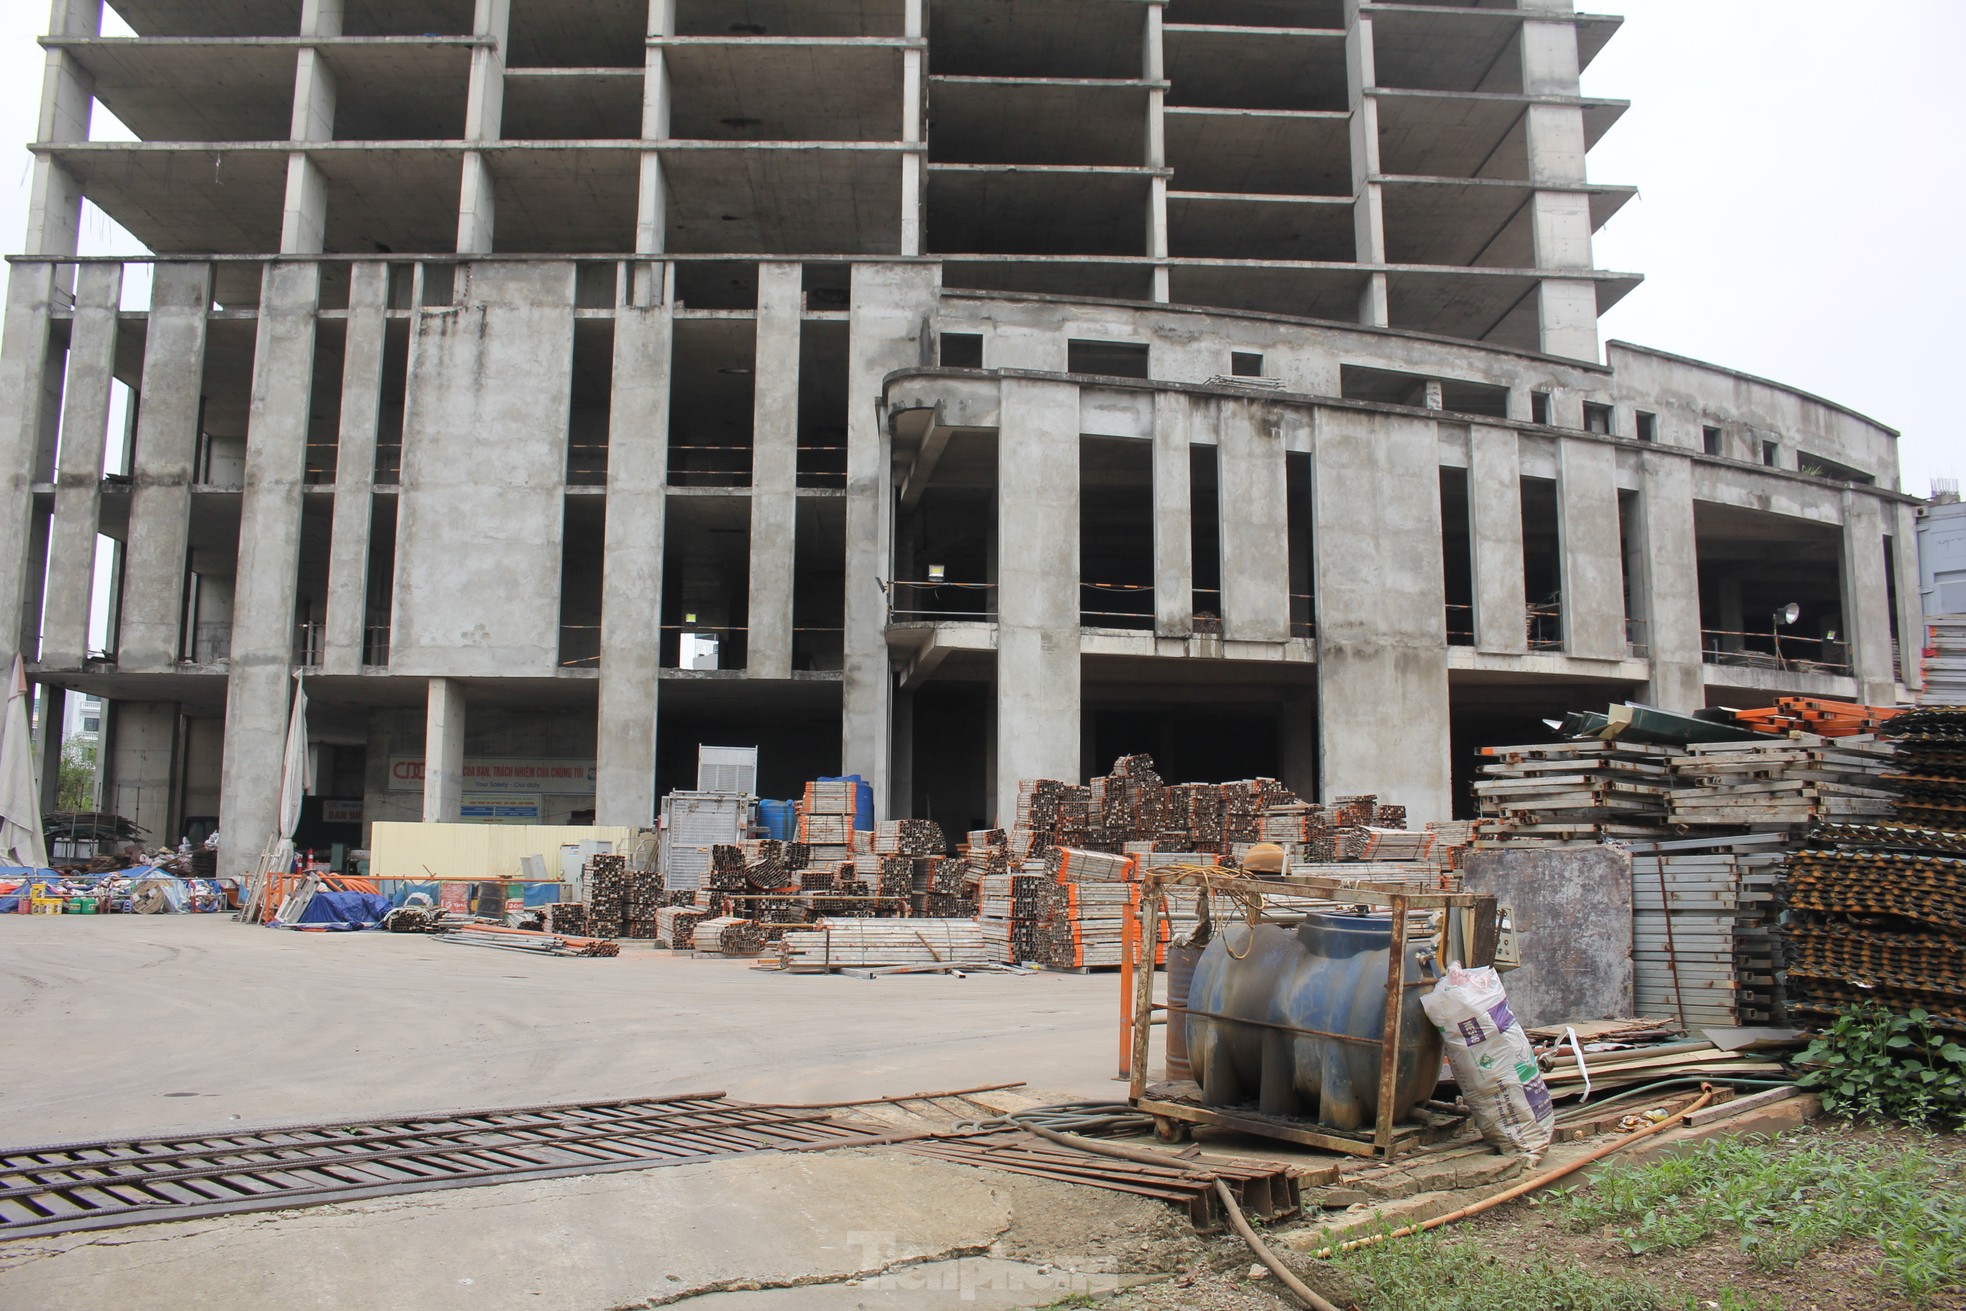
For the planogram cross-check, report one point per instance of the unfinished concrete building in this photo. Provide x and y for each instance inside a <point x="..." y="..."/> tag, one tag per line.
<point x="947" y="391"/>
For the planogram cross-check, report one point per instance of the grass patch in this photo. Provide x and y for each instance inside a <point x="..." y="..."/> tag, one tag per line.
<point x="1785" y="1199"/>
<point x="1429" y="1273"/>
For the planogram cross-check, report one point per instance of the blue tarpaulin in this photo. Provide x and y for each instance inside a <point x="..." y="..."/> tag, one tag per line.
<point x="343" y="911"/>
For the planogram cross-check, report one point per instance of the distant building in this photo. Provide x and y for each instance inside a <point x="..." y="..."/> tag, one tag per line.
<point x="1942" y="552"/>
<point x="943" y="391"/>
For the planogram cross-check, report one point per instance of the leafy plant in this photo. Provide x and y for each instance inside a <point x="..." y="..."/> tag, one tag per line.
<point x="1871" y="1064"/>
<point x="78" y="776"/>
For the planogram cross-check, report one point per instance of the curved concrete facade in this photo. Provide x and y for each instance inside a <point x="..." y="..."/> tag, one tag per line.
<point x="948" y="391"/>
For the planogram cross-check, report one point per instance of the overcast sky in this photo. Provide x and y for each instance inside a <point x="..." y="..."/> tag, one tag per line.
<point x="1799" y="165"/>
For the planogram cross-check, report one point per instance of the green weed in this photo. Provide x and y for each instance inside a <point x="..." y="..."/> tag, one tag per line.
<point x="1871" y="1064"/>
<point x="1784" y="1200"/>
<point x="1430" y="1273"/>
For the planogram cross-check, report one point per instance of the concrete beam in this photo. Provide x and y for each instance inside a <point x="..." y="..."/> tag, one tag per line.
<point x="166" y="447"/>
<point x="1038" y="713"/>
<point x="1592" y="564"/>
<point x="774" y="469"/>
<point x="631" y="567"/>
<point x="78" y="490"/>
<point x="361" y="413"/>
<point x="443" y="752"/>
<point x="1381" y="618"/>
<point x="260" y="685"/>
<point x="935" y="441"/>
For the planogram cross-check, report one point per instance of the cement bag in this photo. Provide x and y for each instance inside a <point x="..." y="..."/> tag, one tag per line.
<point x="1492" y="1061"/>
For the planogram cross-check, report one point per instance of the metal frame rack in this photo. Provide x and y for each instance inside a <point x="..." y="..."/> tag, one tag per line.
<point x="1467" y="933"/>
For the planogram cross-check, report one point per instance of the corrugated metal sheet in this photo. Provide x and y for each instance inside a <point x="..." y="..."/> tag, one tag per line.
<point x="477" y="851"/>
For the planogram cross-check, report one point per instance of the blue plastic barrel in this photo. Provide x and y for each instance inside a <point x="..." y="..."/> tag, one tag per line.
<point x="775" y="818"/>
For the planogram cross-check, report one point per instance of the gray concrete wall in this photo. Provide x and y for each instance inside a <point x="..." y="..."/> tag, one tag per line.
<point x="139" y="767"/>
<point x="1593" y="565"/>
<point x="1495" y="522"/>
<point x="1037" y="587"/>
<point x="631" y="571"/>
<point x="161" y="466"/>
<point x="1382" y="654"/>
<point x="478" y="558"/>
<point x="260" y="687"/>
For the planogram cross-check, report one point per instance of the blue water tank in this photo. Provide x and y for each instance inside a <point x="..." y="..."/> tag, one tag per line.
<point x="1271" y="1009"/>
<point x="776" y="819"/>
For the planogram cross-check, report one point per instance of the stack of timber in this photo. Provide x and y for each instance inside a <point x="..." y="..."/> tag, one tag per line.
<point x="1650" y="1062"/>
<point x="1945" y="661"/>
<point x="886" y="944"/>
<point x="1706" y="935"/>
<point x="1786" y="782"/>
<point x="727" y="935"/>
<point x="675" y="926"/>
<point x="1878" y="911"/>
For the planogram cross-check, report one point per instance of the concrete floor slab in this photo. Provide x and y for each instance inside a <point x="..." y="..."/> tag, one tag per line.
<point x="138" y="1024"/>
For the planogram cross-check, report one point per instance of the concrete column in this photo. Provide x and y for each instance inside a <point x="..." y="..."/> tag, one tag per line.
<point x="1591" y="550"/>
<point x="49" y="714"/>
<point x="1560" y="218"/>
<point x="54" y="211"/>
<point x="1174" y="575"/>
<point x="1381" y="617"/>
<point x="1495" y="514"/>
<point x="631" y="566"/>
<point x="161" y="466"/>
<point x="913" y="162"/>
<point x="354" y="484"/>
<point x="1866" y="600"/>
<point x="483" y="115"/>
<point x="891" y="305"/>
<point x="1368" y="210"/>
<point x="259" y="689"/>
<point x="1298" y="725"/>
<point x="774" y="469"/>
<point x="443" y="752"/>
<point x="1255" y="522"/>
<point x="651" y="221"/>
<point x="1903" y="521"/>
<point x="1037" y="586"/>
<point x="25" y="409"/>
<point x="304" y="217"/>
<point x="1153" y="70"/>
<point x="1668" y="589"/>
<point x="78" y="489"/>
<point x="138" y="770"/>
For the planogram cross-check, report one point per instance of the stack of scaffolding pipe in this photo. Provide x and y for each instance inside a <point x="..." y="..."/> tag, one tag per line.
<point x="881" y="943"/>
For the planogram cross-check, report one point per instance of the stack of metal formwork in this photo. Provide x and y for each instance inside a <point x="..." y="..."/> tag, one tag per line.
<point x="1879" y="910"/>
<point x="607" y="896"/>
<point x="909" y="837"/>
<point x="1945" y="661"/>
<point x="727" y="935"/>
<point x="1794" y="780"/>
<point x="1706" y="934"/>
<point x="891" y="877"/>
<point x="826" y="818"/>
<point x="566" y="917"/>
<point x="1009" y="910"/>
<point x="1559" y="793"/>
<point x="675" y="926"/>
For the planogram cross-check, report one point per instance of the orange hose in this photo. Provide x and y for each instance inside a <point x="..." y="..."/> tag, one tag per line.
<point x="1542" y="1180"/>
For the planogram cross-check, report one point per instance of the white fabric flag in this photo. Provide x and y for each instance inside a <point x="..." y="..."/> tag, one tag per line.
<point x="294" y="782"/>
<point x="20" y="783"/>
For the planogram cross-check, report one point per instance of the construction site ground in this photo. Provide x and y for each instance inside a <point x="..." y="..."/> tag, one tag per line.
<point x="155" y="1024"/>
